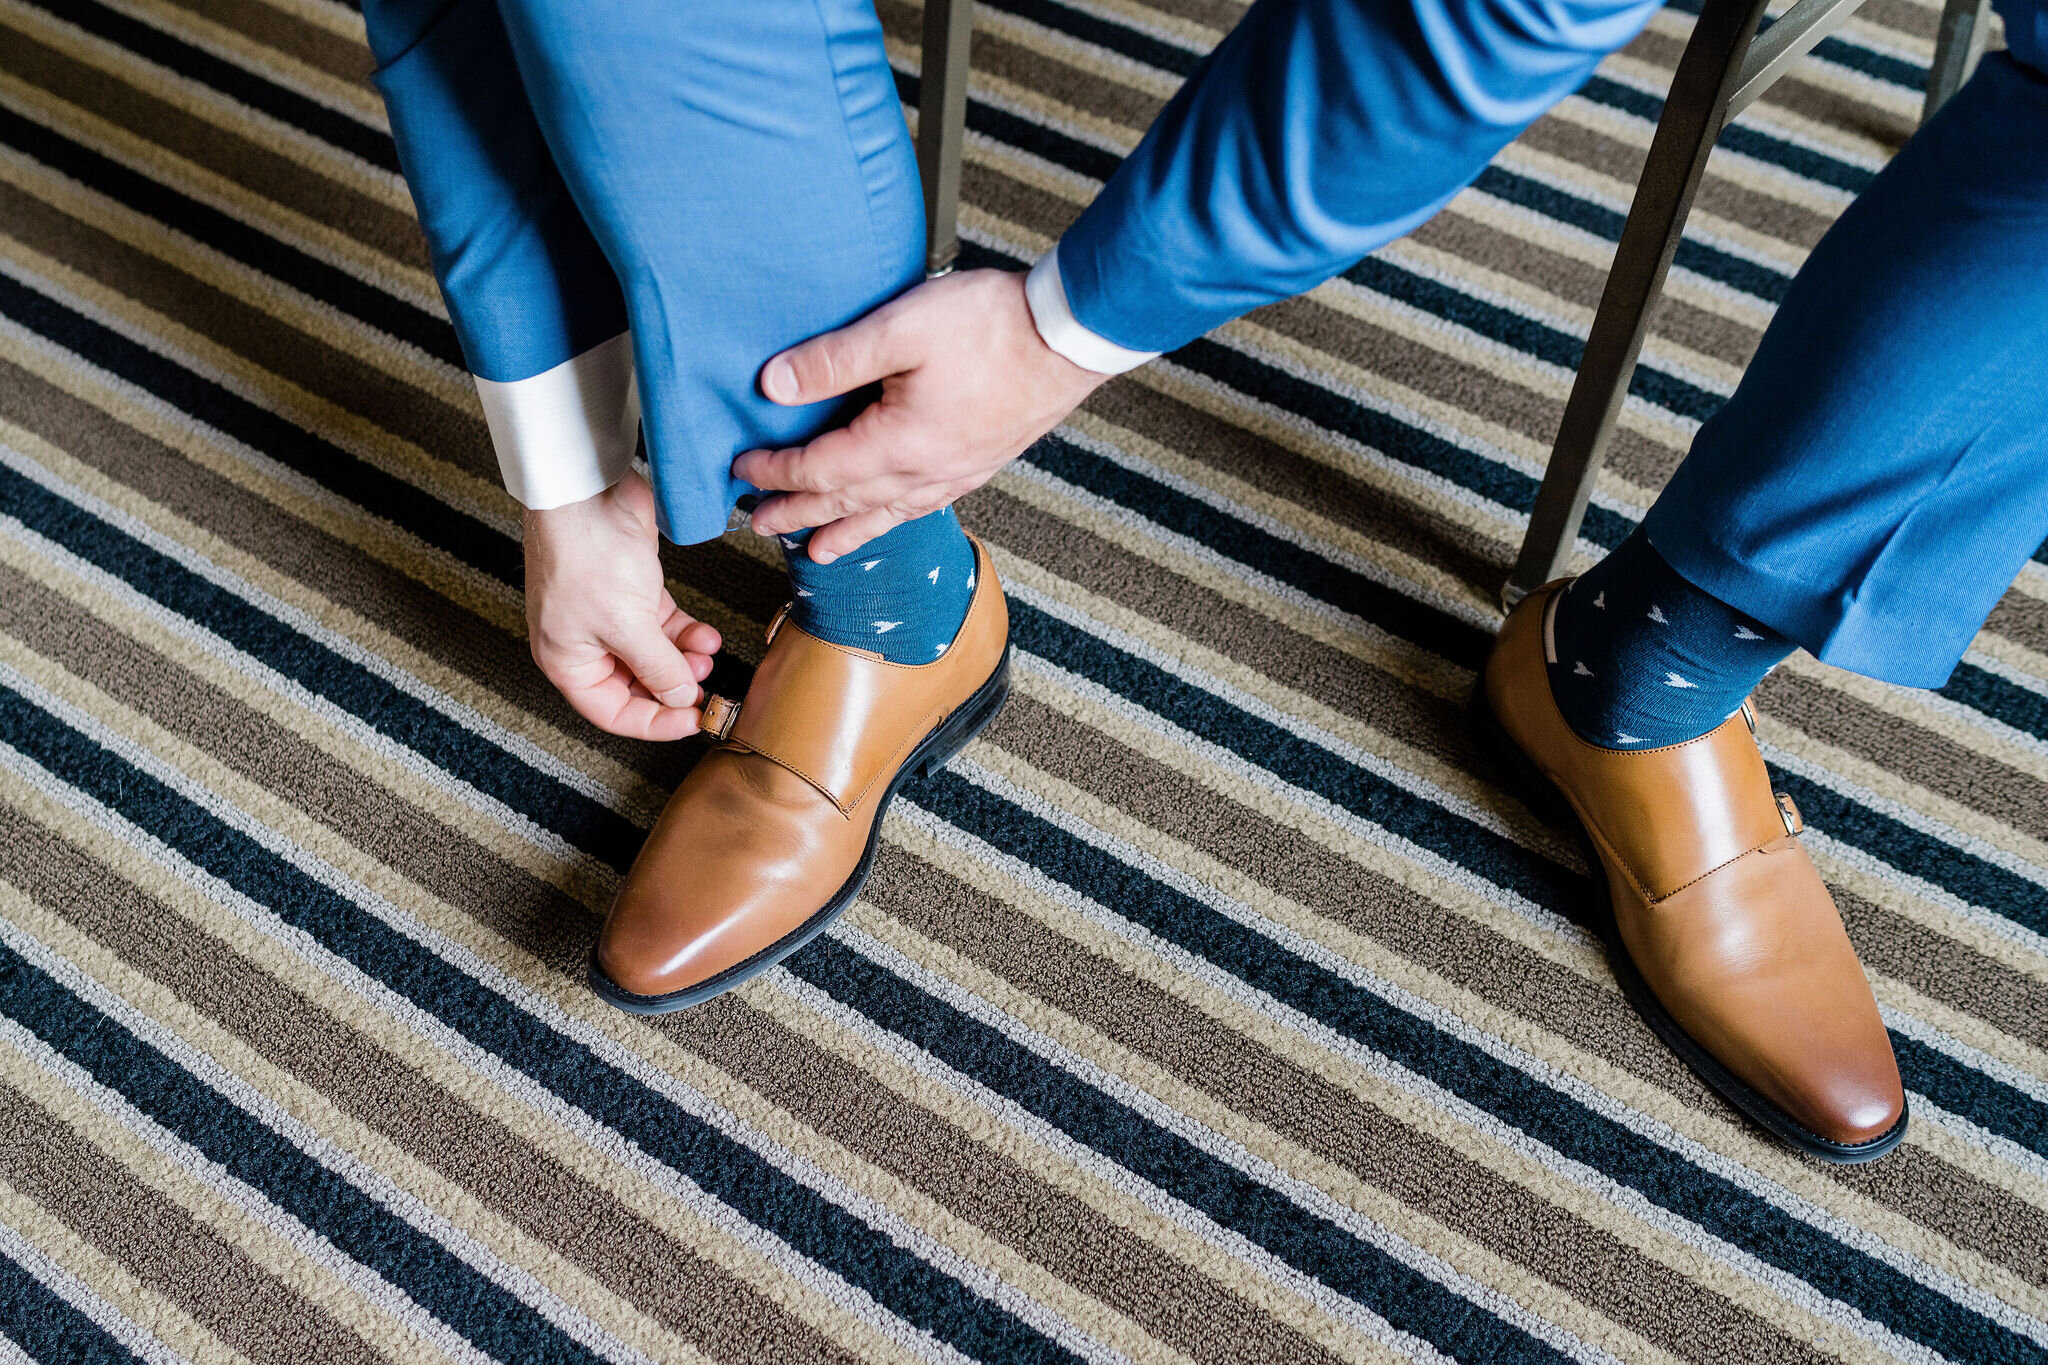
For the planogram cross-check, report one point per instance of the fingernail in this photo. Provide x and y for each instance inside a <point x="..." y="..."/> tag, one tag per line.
<point x="778" y="381"/>
<point x="823" y="557"/>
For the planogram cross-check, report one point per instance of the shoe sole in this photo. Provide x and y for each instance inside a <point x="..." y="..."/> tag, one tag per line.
<point x="968" y="719"/>
<point x="1548" y="804"/>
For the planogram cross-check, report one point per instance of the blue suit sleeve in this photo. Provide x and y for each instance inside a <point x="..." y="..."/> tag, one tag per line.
<point x="1317" y="131"/>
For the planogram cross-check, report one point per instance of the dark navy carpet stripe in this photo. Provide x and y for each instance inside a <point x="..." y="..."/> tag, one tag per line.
<point x="49" y="1329"/>
<point x="459" y="750"/>
<point x="1989" y="1103"/>
<point x="609" y="837"/>
<point x="1896" y="70"/>
<point x="484" y="549"/>
<point x="1893" y="842"/>
<point x="440" y="1282"/>
<point x="1982" y="690"/>
<point x="730" y="1172"/>
<point x="1523" y="334"/>
<point x="1141" y="47"/>
<point x="1046" y="143"/>
<point x="237" y="83"/>
<point x="252" y="247"/>
<point x="1390" y="436"/>
<point x="1548" y="1116"/>
<point x="1466" y="845"/>
<point x="1504" y="863"/>
<point x="1759" y="281"/>
<point x="1750" y="142"/>
<point x="1296" y="761"/>
<point x="355" y="689"/>
<point x="1358" y="1270"/>
<point x="644" y="1117"/>
<point x="1323" y="579"/>
<point x="1843" y="52"/>
<point x="359" y="481"/>
<point x="1121" y="39"/>
<point x="1920" y="855"/>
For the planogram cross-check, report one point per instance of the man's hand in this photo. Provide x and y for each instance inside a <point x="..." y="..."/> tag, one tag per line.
<point x="966" y="385"/>
<point x="601" y="622"/>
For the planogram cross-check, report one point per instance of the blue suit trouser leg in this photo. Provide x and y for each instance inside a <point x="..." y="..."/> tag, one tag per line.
<point x="742" y="171"/>
<point x="1881" y="473"/>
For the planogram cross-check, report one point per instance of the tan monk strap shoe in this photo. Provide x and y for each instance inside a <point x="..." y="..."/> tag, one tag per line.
<point x="772" y="833"/>
<point x="1724" y="938"/>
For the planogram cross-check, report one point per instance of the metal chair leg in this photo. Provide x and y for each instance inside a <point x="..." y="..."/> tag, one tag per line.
<point x="1965" y="24"/>
<point x="942" y="126"/>
<point x="1709" y="74"/>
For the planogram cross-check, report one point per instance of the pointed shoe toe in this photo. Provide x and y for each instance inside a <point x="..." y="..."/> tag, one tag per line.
<point x="1720" y="929"/>
<point x="771" y="835"/>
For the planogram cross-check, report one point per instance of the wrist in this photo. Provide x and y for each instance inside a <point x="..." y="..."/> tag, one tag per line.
<point x="626" y="505"/>
<point x="1052" y="315"/>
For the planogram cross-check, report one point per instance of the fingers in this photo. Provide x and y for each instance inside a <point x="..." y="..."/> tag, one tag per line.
<point x="656" y="664"/>
<point x="697" y="640"/>
<point x="794" y="511"/>
<point x="616" y="706"/>
<point x="837" y="362"/>
<point x="844" y="536"/>
<point x="686" y="632"/>
<point x="840" y="459"/>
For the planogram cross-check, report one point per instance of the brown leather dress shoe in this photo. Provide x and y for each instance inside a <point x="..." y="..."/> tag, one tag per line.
<point x="772" y="833"/>
<point x="1718" y="926"/>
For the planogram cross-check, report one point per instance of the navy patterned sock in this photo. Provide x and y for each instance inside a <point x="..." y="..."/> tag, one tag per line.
<point x="1645" y="658"/>
<point x="903" y="594"/>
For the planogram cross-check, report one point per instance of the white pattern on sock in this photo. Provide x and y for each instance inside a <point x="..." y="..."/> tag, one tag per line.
<point x="787" y="543"/>
<point x="1579" y="669"/>
<point x="1673" y="680"/>
<point x="1600" y="599"/>
<point x="1622" y="737"/>
<point x="884" y="627"/>
<point x="1745" y="633"/>
<point x="970" y="580"/>
<point x="1657" y="615"/>
<point x="869" y="566"/>
<point x="805" y="592"/>
<point x="940" y="650"/>
<point x="934" y="576"/>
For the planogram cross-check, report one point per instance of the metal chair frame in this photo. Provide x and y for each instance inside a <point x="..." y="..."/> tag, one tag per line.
<point x="942" y="127"/>
<point x="1725" y="67"/>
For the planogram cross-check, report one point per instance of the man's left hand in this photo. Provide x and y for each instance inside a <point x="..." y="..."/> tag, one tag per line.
<point x="967" y="384"/>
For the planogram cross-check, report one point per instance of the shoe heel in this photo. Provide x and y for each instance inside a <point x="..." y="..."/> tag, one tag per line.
<point x="1526" y="780"/>
<point x="969" y="720"/>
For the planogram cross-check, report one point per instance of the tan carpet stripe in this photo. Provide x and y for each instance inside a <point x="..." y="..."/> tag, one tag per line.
<point x="1020" y="1214"/>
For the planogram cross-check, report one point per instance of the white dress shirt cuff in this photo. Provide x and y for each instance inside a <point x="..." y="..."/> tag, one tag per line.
<point x="1063" y="332"/>
<point x="568" y="433"/>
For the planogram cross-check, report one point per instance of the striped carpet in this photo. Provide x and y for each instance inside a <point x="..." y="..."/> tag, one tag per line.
<point x="1217" y="1006"/>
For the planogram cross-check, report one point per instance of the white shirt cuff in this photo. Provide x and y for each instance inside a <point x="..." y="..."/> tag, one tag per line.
<point x="1063" y="332"/>
<point x="568" y="433"/>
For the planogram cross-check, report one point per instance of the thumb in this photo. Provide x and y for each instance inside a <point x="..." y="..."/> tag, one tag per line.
<point x="837" y="362"/>
<point x="657" y="664"/>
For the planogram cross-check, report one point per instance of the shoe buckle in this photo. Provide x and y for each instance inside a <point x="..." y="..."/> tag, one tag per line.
<point x="1788" y="811"/>
<point x="718" y="716"/>
<point x="1749" y="717"/>
<point x="775" y="621"/>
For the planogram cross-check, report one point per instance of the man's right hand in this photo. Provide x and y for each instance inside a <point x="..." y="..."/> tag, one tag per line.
<point x="967" y="384"/>
<point x="601" y="622"/>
